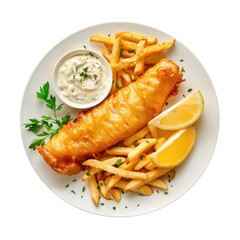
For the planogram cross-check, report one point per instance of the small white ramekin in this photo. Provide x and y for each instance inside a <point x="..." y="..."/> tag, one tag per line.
<point x="72" y="54"/>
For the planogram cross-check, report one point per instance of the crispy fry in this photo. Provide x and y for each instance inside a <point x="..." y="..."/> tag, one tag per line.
<point x="116" y="194"/>
<point x="103" y="190"/>
<point x="139" y="67"/>
<point x="114" y="82"/>
<point x="144" y="190"/>
<point x="156" y="173"/>
<point x="124" y="64"/>
<point x="148" y="51"/>
<point x="115" y="52"/>
<point x="144" y="146"/>
<point x="143" y="162"/>
<point x="160" y="142"/>
<point x="155" y="58"/>
<point x="136" y="37"/>
<point x="119" y="81"/>
<point x="116" y="171"/>
<point x="140" y="134"/>
<point x="110" y="41"/>
<point x="150" y="166"/>
<point x="119" y="151"/>
<point x="153" y="130"/>
<point x="114" y="179"/>
<point x="105" y="54"/>
<point x="160" y="183"/>
<point x="93" y="189"/>
<point x="125" y="76"/>
<point x="92" y="171"/>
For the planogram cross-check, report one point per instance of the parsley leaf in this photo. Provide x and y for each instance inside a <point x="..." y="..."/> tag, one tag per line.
<point x="182" y="70"/>
<point x="118" y="162"/>
<point x="189" y="90"/>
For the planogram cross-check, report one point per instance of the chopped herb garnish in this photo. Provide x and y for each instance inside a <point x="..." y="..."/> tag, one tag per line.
<point x="184" y="95"/>
<point x="181" y="60"/>
<point x="125" y="206"/>
<point x="118" y="162"/>
<point x="117" y="85"/>
<point x="166" y="103"/>
<point x="73" y="192"/>
<point x="74" y="180"/>
<point x="171" y="185"/>
<point x="88" y="174"/>
<point x="131" y="51"/>
<point x="165" y="193"/>
<point x="98" y="188"/>
<point x="169" y="180"/>
<point x="109" y="35"/>
<point x="189" y="90"/>
<point x="114" y="208"/>
<point x="147" y="141"/>
<point x="121" y="51"/>
<point x="91" y="54"/>
<point x="168" y="175"/>
<point x="81" y="196"/>
<point x="122" y="192"/>
<point x="46" y="122"/>
<point x="76" y="69"/>
<point x="101" y="204"/>
<point x="136" y="76"/>
<point x="85" y="69"/>
<point x="95" y="76"/>
<point x="73" y="76"/>
<point x="101" y="184"/>
<point x="83" y="189"/>
<point x="182" y="70"/>
<point x="67" y="186"/>
<point x="121" y="45"/>
<point x="157" y="191"/>
<point x="85" y="46"/>
<point x="138" y="205"/>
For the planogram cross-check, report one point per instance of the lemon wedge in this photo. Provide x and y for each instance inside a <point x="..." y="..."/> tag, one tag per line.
<point x="175" y="149"/>
<point x="181" y="115"/>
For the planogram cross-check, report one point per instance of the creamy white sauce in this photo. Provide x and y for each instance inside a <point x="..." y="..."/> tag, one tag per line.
<point x="82" y="78"/>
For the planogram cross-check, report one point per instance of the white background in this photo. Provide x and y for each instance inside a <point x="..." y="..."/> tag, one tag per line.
<point x="210" y="210"/>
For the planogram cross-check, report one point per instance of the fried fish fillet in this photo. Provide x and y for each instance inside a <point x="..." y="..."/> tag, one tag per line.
<point x="115" y="119"/>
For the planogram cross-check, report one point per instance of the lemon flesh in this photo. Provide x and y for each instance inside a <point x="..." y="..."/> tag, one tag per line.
<point x="181" y="115"/>
<point x="175" y="149"/>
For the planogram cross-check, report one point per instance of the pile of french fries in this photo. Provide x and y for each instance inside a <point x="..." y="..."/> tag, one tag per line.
<point x="127" y="167"/>
<point x="130" y="54"/>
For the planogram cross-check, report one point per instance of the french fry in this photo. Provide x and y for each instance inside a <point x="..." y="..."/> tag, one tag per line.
<point x="119" y="81"/>
<point x="150" y="50"/>
<point x="160" y="142"/>
<point x="116" y="171"/>
<point x="110" y="41"/>
<point x="125" y="76"/>
<point x="136" y="37"/>
<point x="116" y="194"/>
<point x="95" y="194"/>
<point x="92" y="171"/>
<point x="144" y="190"/>
<point x="153" y="130"/>
<point x="115" y="52"/>
<point x="103" y="190"/>
<point x="123" y="151"/>
<point x="155" y="58"/>
<point x="150" y="166"/>
<point x="125" y="63"/>
<point x="143" y="162"/>
<point x="144" y="146"/>
<point x="105" y="54"/>
<point x="160" y="183"/>
<point x="114" y="82"/>
<point x="115" y="178"/>
<point x="140" y="134"/>
<point x="156" y="173"/>
<point x="123" y="53"/>
<point x="139" y="67"/>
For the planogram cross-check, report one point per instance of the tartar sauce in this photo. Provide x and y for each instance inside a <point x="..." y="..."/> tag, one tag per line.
<point x="82" y="78"/>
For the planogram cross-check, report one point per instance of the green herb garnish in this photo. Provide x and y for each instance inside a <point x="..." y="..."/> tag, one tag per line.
<point x="51" y="125"/>
<point x="74" y="180"/>
<point x="109" y="35"/>
<point x="73" y="192"/>
<point x="83" y="189"/>
<point x="98" y="188"/>
<point x="114" y="208"/>
<point x="131" y="51"/>
<point x="189" y="90"/>
<point x="85" y="46"/>
<point x="117" y="85"/>
<point x="118" y="162"/>
<point x="147" y="141"/>
<point x="122" y="191"/>
<point x="138" y="205"/>
<point x="182" y="70"/>
<point x="125" y="206"/>
<point x="67" y="186"/>
<point x="121" y="51"/>
<point x="165" y="193"/>
<point x="91" y="54"/>
<point x="88" y="174"/>
<point x="181" y="60"/>
<point x="166" y="103"/>
<point x="95" y="76"/>
<point x="102" y="204"/>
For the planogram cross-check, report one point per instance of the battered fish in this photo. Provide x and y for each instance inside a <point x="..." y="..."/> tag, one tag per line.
<point x="112" y="121"/>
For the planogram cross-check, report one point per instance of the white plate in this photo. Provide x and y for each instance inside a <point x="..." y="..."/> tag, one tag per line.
<point x="187" y="173"/>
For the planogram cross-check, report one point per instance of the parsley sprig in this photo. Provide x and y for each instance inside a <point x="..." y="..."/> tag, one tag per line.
<point x="50" y="125"/>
